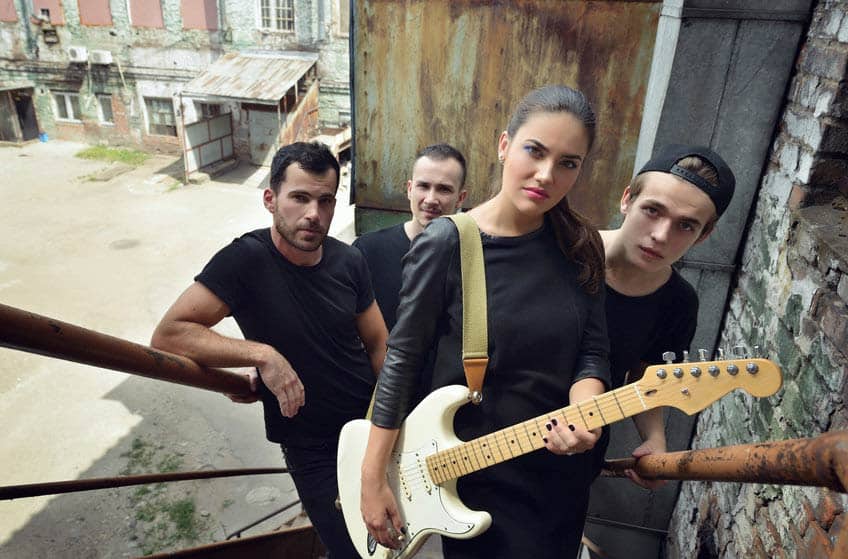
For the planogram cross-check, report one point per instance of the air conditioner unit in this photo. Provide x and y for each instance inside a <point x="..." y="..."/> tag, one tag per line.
<point x="101" y="57"/>
<point x="78" y="54"/>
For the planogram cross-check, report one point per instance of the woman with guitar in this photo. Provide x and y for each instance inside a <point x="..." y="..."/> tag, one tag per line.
<point x="544" y="269"/>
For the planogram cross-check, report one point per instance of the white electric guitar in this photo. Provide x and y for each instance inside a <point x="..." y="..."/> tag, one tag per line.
<point x="428" y="458"/>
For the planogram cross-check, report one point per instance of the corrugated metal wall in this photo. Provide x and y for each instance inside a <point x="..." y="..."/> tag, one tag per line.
<point x="427" y="71"/>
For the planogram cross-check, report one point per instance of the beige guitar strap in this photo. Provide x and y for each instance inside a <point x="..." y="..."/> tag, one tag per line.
<point x="475" y="330"/>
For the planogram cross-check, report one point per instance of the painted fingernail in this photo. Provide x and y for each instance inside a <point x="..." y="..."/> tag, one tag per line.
<point x="554" y="421"/>
<point x="545" y="439"/>
<point x="548" y="426"/>
<point x="571" y="427"/>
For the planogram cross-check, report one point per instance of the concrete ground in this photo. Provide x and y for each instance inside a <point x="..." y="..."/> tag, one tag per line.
<point x="112" y="256"/>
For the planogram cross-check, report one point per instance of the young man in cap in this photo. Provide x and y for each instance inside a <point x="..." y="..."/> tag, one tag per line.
<point x="671" y="204"/>
<point x="437" y="188"/>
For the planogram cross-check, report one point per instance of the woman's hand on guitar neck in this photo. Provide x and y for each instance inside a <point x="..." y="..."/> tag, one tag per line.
<point x="569" y="439"/>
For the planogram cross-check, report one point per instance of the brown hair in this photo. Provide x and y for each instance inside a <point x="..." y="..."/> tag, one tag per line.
<point x="576" y="237"/>
<point x="694" y="164"/>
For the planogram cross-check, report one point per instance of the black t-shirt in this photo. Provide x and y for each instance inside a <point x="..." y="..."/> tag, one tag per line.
<point x="545" y="333"/>
<point x="384" y="250"/>
<point x="308" y="313"/>
<point x="642" y="328"/>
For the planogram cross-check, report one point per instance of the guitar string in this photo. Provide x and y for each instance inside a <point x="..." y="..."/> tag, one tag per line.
<point x="608" y="401"/>
<point x="606" y="404"/>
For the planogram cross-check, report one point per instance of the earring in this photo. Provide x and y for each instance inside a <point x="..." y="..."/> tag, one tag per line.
<point x="501" y="159"/>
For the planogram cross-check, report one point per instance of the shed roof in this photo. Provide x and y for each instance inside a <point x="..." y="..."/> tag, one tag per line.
<point x="251" y="76"/>
<point x="12" y="85"/>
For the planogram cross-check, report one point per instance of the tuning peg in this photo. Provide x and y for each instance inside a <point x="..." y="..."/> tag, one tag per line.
<point x="669" y="357"/>
<point x="757" y="352"/>
<point x="720" y="352"/>
<point x="740" y="352"/>
<point x="685" y="356"/>
<point x="702" y="355"/>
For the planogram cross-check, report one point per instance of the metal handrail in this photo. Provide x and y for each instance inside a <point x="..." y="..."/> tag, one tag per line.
<point x="71" y="486"/>
<point x="820" y="461"/>
<point x="43" y="335"/>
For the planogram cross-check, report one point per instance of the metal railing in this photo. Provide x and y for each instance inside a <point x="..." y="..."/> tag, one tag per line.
<point x="820" y="461"/>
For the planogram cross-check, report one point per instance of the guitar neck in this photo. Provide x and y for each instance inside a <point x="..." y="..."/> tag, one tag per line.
<point x="519" y="439"/>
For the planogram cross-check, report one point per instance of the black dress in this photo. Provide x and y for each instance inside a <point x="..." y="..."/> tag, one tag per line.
<point x="545" y="333"/>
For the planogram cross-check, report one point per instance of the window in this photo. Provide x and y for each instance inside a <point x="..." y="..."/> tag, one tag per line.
<point x="343" y="18"/>
<point x="208" y="110"/>
<point x="95" y="12"/>
<point x="104" y="109"/>
<point x="66" y="106"/>
<point x="49" y="10"/>
<point x="160" y="116"/>
<point x="199" y="14"/>
<point x="144" y="13"/>
<point x="277" y="14"/>
<point x="7" y="10"/>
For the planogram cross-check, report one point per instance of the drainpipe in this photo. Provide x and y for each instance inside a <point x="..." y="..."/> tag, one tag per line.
<point x="25" y="7"/>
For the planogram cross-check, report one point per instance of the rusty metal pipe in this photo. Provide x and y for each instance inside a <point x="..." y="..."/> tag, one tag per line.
<point x="34" y="333"/>
<point x="819" y="461"/>
<point x="71" y="486"/>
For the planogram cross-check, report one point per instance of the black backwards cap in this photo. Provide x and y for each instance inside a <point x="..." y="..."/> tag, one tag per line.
<point x="665" y="161"/>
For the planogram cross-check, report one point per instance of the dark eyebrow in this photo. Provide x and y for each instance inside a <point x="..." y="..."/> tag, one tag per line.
<point x="664" y="208"/>
<point x="544" y="148"/>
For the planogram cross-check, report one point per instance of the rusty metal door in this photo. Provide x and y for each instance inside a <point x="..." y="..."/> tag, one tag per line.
<point x="427" y="71"/>
<point x="263" y="130"/>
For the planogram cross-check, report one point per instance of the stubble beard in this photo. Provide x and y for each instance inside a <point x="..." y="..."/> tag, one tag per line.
<point x="289" y="235"/>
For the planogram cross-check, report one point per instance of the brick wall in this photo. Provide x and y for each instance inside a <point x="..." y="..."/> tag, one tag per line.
<point x="790" y="297"/>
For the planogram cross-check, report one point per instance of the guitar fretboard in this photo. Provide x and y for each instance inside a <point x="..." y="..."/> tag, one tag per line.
<point x="525" y="437"/>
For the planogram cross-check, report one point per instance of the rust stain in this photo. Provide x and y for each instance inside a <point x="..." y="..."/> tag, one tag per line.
<point x="431" y="70"/>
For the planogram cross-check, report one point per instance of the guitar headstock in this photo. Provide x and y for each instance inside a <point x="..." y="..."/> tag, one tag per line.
<point x="691" y="386"/>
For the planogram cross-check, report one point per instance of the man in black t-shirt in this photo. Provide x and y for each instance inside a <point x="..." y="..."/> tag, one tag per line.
<point x="672" y="204"/>
<point x="437" y="187"/>
<point x="312" y="328"/>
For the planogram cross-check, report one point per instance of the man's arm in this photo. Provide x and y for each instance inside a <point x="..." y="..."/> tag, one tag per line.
<point x="651" y="427"/>
<point x="186" y="329"/>
<point x="373" y="332"/>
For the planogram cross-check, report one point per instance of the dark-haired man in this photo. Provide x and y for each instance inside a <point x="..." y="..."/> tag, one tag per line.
<point x="671" y="205"/>
<point x="437" y="188"/>
<point x="312" y="329"/>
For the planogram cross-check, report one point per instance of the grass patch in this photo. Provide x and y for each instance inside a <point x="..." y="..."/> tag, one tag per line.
<point x="165" y="521"/>
<point x="110" y="154"/>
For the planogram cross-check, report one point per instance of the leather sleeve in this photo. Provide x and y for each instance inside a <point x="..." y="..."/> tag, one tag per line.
<point x="593" y="359"/>
<point x="423" y="299"/>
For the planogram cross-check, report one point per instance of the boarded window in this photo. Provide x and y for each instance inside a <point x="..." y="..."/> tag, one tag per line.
<point x="208" y="110"/>
<point x="277" y="15"/>
<point x="160" y="116"/>
<point x="66" y="106"/>
<point x="199" y="14"/>
<point x="104" y="109"/>
<point x="146" y="13"/>
<point x="343" y="18"/>
<point x="7" y="10"/>
<point x="52" y="9"/>
<point x="95" y="12"/>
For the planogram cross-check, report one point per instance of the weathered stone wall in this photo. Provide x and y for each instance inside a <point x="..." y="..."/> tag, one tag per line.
<point x="790" y="298"/>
